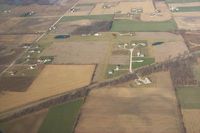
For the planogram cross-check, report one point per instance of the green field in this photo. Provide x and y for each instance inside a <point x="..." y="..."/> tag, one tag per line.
<point x="181" y="1"/>
<point x="147" y="61"/>
<point x="189" y="9"/>
<point x="131" y="25"/>
<point x="61" y="118"/>
<point x="189" y="97"/>
<point x="107" y="17"/>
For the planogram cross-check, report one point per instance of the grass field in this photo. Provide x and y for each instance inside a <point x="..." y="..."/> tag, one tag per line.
<point x="189" y="97"/>
<point x="181" y="1"/>
<point x="147" y="61"/>
<point x="189" y="9"/>
<point x="130" y="25"/>
<point x="97" y="17"/>
<point x="61" y="118"/>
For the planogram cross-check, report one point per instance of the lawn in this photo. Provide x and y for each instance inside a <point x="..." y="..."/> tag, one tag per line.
<point x="189" y="97"/>
<point x="61" y="118"/>
<point x="189" y="9"/>
<point x="117" y="73"/>
<point x="97" y="17"/>
<point x="131" y="25"/>
<point x="147" y="61"/>
<point x="181" y="1"/>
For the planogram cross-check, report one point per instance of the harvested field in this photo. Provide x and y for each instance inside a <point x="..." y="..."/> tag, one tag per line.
<point x="187" y="20"/>
<point x="83" y="27"/>
<point x="168" y="50"/>
<point x="8" y="55"/>
<point x="17" y="39"/>
<point x="173" y="46"/>
<point x="87" y="52"/>
<point x="124" y="110"/>
<point x="191" y="120"/>
<point x="54" y="79"/>
<point x="33" y="25"/>
<point x="2" y="67"/>
<point x="21" y="80"/>
<point x="17" y="84"/>
<point x="192" y="40"/>
<point x="106" y="17"/>
<point x="26" y="124"/>
<point x="7" y="24"/>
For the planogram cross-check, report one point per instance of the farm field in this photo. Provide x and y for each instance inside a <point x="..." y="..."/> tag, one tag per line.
<point x="66" y="66"/>
<point x="189" y="9"/>
<point x="190" y="106"/>
<point x="192" y="40"/>
<point x="181" y="1"/>
<point x="123" y="7"/>
<point x="96" y="17"/>
<point x="88" y="52"/>
<point x="192" y="4"/>
<point x="61" y="118"/>
<point x="163" y="15"/>
<point x="17" y="39"/>
<point x="123" y="106"/>
<point x="187" y="20"/>
<point x="191" y="120"/>
<point x="139" y="26"/>
<point x="55" y="9"/>
<point x="19" y="78"/>
<point x="86" y="26"/>
<point x="38" y="25"/>
<point x="58" y="76"/>
<point x="189" y="97"/>
<point x="81" y="9"/>
<point x="29" y="123"/>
